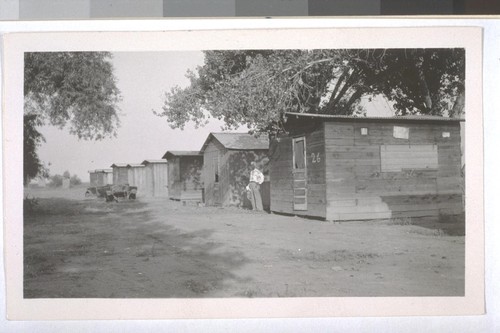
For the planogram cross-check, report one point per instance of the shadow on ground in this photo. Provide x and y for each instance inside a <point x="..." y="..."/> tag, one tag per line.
<point x="90" y="248"/>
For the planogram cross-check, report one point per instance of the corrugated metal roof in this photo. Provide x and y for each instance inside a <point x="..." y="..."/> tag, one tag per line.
<point x="397" y="118"/>
<point x="135" y="165"/>
<point x="104" y="170"/>
<point x="181" y="153"/>
<point x="238" y="141"/>
<point x="153" y="162"/>
<point x="119" y="165"/>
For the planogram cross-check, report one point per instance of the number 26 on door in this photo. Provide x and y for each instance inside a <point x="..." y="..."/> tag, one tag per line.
<point x="315" y="157"/>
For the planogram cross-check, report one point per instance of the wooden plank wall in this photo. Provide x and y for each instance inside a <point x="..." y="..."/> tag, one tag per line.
<point x="211" y="157"/>
<point x="149" y="180"/>
<point x="120" y="175"/>
<point x="156" y="180"/>
<point x="174" y="178"/>
<point x="93" y="178"/>
<point x="160" y="177"/>
<point x="101" y="178"/>
<point x="109" y="178"/>
<point x="358" y="189"/>
<point x="190" y="185"/>
<point x="131" y="177"/>
<point x="281" y="157"/>
<point x="137" y="177"/>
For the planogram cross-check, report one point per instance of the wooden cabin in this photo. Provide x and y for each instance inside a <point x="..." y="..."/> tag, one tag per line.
<point x="104" y="177"/>
<point x="137" y="177"/>
<point x="226" y="168"/>
<point x="184" y="175"/>
<point x="347" y="168"/>
<point x="156" y="178"/>
<point x="93" y="177"/>
<point x="120" y="173"/>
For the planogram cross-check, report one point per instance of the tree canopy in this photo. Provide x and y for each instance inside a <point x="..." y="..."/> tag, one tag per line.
<point x="76" y="90"/>
<point x="256" y="87"/>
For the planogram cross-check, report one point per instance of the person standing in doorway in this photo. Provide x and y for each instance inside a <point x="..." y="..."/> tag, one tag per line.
<point x="256" y="178"/>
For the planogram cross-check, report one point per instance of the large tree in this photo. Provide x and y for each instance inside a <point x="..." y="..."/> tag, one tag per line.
<point x="257" y="87"/>
<point x="76" y="90"/>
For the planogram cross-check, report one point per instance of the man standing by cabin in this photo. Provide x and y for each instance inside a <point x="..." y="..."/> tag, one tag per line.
<point x="256" y="178"/>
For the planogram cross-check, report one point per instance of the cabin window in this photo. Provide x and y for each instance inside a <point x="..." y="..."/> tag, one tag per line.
<point x="299" y="158"/>
<point x="396" y="158"/>
<point x="364" y="131"/>
<point x="400" y="132"/>
<point x="446" y="134"/>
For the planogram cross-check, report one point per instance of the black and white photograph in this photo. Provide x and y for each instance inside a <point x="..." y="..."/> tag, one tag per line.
<point x="237" y="173"/>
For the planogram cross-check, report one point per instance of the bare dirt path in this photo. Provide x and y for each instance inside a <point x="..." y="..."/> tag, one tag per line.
<point x="77" y="247"/>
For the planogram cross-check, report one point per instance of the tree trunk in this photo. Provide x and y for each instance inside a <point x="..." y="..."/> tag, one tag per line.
<point x="347" y="85"/>
<point x="354" y="97"/>
<point x="424" y="88"/>
<point x="341" y="79"/>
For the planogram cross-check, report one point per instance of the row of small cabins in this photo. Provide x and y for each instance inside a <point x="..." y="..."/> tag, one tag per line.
<point x="329" y="167"/>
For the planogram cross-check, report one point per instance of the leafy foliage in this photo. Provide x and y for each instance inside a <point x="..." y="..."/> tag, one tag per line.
<point x="55" y="181"/>
<point x="74" y="89"/>
<point x="425" y="81"/>
<point x="32" y="139"/>
<point x="256" y="87"/>
<point x="75" y="180"/>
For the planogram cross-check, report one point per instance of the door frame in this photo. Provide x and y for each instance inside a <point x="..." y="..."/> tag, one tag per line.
<point x="299" y="206"/>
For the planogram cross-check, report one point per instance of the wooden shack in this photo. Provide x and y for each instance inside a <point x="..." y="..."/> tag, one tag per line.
<point x="137" y="177"/>
<point x="156" y="178"/>
<point x="93" y="177"/>
<point x="104" y="177"/>
<point x="226" y="168"/>
<point x="120" y="173"/>
<point x="347" y="168"/>
<point x="184" y="175"/>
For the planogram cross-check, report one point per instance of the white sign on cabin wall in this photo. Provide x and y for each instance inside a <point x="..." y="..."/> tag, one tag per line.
<point x="401" y="132"/>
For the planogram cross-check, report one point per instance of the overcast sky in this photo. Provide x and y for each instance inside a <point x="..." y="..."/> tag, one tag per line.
<point x="143" y="77"/>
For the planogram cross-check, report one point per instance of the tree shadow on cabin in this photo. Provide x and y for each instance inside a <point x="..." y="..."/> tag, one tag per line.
<point x="239" y="168"/>
<point x="440" y="222"/>
<point x="190" y="173"/>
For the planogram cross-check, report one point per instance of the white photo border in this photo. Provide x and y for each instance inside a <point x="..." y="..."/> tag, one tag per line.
<point x="16" y="44"/>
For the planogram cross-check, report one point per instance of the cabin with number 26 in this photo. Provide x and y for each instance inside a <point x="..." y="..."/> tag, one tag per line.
<point x="344" y="168"/>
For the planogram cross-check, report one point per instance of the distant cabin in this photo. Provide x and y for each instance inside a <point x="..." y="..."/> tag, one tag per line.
<point x="347" y="168"/>
<point x="137" y="177"/>
<point x="104" y="177"/>
<point x="184" y="175"/>
<point x="120" y="173"/>
<point x="226" y="168"/>
<point x="93" y="177"/>
<point x="156" y="178"/>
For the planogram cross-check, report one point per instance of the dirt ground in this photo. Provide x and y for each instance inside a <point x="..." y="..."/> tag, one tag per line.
<point x="76" y="247"/>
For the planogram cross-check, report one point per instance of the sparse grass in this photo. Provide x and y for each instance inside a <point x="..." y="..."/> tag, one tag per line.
<point x="401" y="221"/>
<point x="330" y="256"/>
<point x="30" y="204"/>
<point x="428" y="232"/>
<point x="444" y="225"/>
